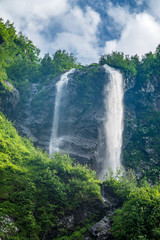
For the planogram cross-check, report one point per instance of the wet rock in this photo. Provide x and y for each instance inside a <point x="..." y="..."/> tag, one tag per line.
<point x="101" y="230"/>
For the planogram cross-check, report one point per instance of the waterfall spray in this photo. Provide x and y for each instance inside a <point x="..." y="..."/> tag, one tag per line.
<point x="60" y="86"/>
<point x="113" y="122"/>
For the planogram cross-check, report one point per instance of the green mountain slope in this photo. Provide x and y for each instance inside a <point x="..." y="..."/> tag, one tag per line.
<point x="36" y="189"/>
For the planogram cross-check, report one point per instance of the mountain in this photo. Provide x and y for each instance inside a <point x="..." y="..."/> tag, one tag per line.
<point x="57" y="197"/>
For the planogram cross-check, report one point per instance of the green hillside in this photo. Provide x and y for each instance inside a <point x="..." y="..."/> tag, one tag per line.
<point x="36" y="189"/>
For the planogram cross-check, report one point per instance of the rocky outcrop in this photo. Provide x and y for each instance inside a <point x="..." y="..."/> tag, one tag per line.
<point x="101" y="230"/>
<point x="97" y="212"/>
<point x="94" y="210"/>
<point x="9" y="98"/>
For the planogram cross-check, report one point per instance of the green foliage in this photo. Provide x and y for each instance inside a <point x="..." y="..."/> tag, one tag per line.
<point x="90" y="85"/>
<point x="36" y="189"/>
<point x="145" y="138"/>
<point x="122" y="183"/>
<point x="19" y="61"/>
<point x="78" y="234"/>
<point x="139" y="217"/>
<point x="142" y="70"/>
<point x="127" y="65"/>
<point x="21" y="65"/>
<point x="60" y="62"/>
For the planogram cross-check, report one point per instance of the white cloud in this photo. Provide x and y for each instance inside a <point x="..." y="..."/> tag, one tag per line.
<point x="33" y="16"/>
<point x="154" y="8"/>
<point x="80" y="34"/>
<point x="36" y="18"/>
<point x="82" y="22"/>
<point x="140" y="32"/>
<point x="77" y="43"/>
<point x="61" y="24"/>
<point x="120" y="14"/>
<point x="30" y="9"/>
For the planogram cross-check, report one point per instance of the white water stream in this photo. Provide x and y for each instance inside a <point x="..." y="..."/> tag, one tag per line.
<point x="60" y="88"/>
<point x="113" y="122"/>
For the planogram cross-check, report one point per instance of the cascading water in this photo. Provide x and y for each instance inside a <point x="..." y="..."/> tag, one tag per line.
<point x="113" y="121"/>
<point x="60" y="86"/>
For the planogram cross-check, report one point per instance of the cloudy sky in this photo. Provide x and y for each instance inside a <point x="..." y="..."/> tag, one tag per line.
<point x="87" y="28"/>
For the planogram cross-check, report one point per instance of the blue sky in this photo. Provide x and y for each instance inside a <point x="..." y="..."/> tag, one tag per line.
<point x="87" y="28"/>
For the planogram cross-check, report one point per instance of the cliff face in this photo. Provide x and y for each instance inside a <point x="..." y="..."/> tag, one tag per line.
<point x="81" y="114"/>
<point x="81" y="119"/>
<point x="142" y="125"/>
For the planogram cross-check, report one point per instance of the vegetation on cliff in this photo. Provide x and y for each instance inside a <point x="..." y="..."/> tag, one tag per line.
<point x="139" y="217"/>
<point x="36" y="189"/>
<point x="142" y="70"/>
<point x="21" y="64"/>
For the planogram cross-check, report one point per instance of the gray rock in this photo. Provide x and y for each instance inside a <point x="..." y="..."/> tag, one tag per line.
<point x="7" y="227"/>
<point x="101" y="230"/>
<point x="9" y="99"/>
<point x="71" y="220"/>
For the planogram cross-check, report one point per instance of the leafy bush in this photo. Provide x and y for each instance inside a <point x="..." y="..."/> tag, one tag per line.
<point x="36" y="189"/>
<point x="139" y="217"/>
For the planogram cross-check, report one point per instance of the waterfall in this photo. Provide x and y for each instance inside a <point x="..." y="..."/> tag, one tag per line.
<point x="60" y="88"/>
<point x="113" y="120"/>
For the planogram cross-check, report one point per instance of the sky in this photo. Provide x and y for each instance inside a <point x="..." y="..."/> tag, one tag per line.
<point x="87" y="28"/>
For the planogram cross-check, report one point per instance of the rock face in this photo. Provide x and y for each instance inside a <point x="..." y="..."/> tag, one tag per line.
<point x="94" y="209"/>
<point x="81" y="118"/>
<point x="36" y="114"/>
<point x="142" y="125"/>
<point x="9" y="98"/>
<point x="100" y="230"/>
<point x="81" y="114"/>
<point x="99" y="211"/>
